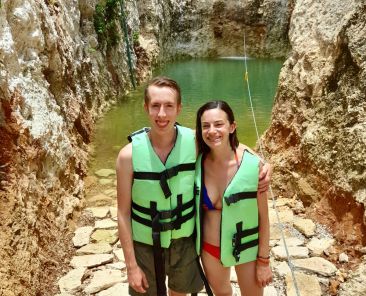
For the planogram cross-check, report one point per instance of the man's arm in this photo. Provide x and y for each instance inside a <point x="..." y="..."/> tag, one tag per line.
<point x="124" y="169"/>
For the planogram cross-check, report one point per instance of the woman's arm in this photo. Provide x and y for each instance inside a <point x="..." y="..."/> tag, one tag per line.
<point x="264" y="273"/>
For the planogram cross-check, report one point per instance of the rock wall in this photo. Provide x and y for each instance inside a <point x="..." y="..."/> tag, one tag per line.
<point x="54" y="82"/>
<point x="317" y="137"/>
<point x="210" y="28"/>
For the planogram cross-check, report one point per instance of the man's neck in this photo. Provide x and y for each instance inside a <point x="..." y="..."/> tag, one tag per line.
<point x="163" y="141"/>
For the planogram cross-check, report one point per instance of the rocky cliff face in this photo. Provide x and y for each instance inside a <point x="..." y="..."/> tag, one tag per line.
<point x="56" y="78"/>
<point x="190" y="28"/>
<point x="53" y="84"/>
<point x="317" y="137"/>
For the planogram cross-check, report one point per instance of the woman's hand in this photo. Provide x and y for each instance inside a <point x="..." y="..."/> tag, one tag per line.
<point x="264" y="275"/>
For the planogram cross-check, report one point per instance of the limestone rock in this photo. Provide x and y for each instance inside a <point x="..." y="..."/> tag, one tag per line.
<point x="279" y="252"/>
<point x="91" y="260"/>
<point x="71" y="282"/>
<point x="316" y="265"/>
<point x="98" y="248"/>
<point x="317" y="246"/>
<point x="308" y="285"/>
<point x="105" y="235"/>
<point x="305" y="226"/>
<point x="98" y="212"/>
<point x="105" y="173"/>
<point x="105" y="224"/>
<point x="120" y="289"/>
<point x="104" y="279"/>
<point x="82" y="236"/>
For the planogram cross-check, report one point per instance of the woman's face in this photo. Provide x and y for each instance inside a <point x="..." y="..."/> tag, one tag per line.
<point x="216" y="128"/>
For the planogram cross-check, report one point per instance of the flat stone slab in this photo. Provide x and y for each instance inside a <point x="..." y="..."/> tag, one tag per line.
<point x="82" y="236"/>
<point x="105" y="235"/>
<point x="279" y="252"/>
<point x="118" y="265"/>
<point x="105" y="224"/>
<point x="105" y="181"/>
<point x="91" y="260"/>
<point x="270" y="291"/>
<point x="291" y="242"/>
<point x="305" y="226"/>
<point x="282" y="269"/>
<point x="105" y="173"/>
<point x="317" y="265"/>
<point x="275" y="232"/>
<point x="113" y="212"/>
<point x="120" y="289"/>
<point x="71" y="282"/>
<point x="285" y="216"/>
<point x="318" y="246"/>
<point x="119" y="254"/>
<point x="111" y="192"/>
<point x="98" y="248"/>
<point x="100" y="200"/>
<point x="98" y="212"/>
<point x="308" y="285"/>
<point x="104" y="279"/>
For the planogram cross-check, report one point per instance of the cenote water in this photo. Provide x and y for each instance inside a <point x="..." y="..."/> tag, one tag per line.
<point x="200" y="80"/>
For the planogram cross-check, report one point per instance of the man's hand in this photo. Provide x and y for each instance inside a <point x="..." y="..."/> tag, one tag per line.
<point x="265" y="171"/>
<point x="137" y="279"/>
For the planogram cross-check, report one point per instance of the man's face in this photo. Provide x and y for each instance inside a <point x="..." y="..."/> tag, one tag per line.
<point x="162" y="108"/>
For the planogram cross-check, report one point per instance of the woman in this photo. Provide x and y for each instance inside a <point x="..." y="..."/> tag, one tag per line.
<point x="232" y="223"/>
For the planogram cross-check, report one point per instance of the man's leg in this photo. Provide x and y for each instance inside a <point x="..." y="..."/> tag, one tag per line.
<point x="183" y="273"/>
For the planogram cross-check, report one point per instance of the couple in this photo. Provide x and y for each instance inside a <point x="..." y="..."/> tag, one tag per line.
<point x="171" y="207"/>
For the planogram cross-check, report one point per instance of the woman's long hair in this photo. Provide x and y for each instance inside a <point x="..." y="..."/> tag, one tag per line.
<point x="222" y="105"/>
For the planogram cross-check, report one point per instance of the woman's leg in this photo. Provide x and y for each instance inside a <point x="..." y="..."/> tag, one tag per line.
<point x="217" y="275"/>
<point x="247" y="281"/>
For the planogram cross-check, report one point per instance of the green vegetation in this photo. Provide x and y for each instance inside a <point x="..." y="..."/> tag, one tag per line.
<point x="135" y="37"/>
<point x="105" y="22"/>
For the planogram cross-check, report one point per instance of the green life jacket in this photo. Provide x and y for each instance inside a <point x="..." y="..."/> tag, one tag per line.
<point x="162" y="194"/>
<point x="239" y="214"/>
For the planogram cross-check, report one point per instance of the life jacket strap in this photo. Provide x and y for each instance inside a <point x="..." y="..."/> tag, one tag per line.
<point x="159" y="265"/>
<point x="165" y="175"/>
<point x="143" y="130"/>
<point x="165" y="226"/>
<point x="169" y="214"/>
<point x="238" y="246"/>
<point x="240" y="196"/>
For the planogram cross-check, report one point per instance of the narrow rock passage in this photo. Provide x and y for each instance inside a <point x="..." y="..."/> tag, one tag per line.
<point x="98" y="267"/>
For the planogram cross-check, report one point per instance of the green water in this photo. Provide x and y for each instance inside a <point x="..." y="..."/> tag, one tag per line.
<point x="200" y="80"/>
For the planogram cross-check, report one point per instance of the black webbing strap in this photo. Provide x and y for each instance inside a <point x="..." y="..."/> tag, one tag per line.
<point x="165" y="175"/>
<point x="238" y="246"/>
<point x="240" y="196"/>
<point x="176" y="224"/>
<point x="204" y="279"/>
<point x="166" y="214"/>
<point x="158" y="252"/>
<point x="145" y="129"/>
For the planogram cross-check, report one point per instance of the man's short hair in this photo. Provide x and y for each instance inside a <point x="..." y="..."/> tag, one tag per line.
<point x="162" y="81"/>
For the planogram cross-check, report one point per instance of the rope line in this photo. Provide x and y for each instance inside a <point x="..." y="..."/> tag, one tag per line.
<point x="246" y="78"/>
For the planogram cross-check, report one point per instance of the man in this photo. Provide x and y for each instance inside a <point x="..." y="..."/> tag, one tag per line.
<point x="155" y="192"/>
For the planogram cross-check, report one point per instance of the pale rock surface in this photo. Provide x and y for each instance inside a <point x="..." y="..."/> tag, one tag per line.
<point x="91" y="260"/>
<point x="104" y="279"/>
<point x="317" y="246"/>
<point x="105" y="173"/>
<point x="317" y="265"/>
<point x="71" y="282"/>
<point x="82" y="236"/>
<point x="308" y="285"/>
<point x="279" y="252"/>
<point x="105" y="224"/>
<point x="305" y="226"/>
<point x="105" y="235"/>
<point x="98" y="212"/>
<point x="120" y="289"/>
<point x="97" y="248"/>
